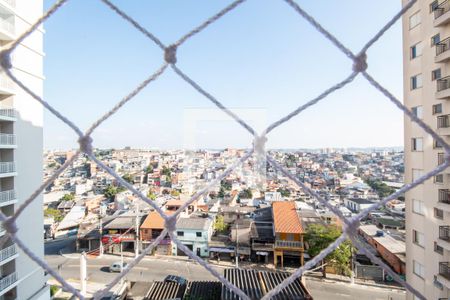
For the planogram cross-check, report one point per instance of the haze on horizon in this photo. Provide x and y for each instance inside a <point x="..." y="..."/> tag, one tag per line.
<point x="262" y="59"/>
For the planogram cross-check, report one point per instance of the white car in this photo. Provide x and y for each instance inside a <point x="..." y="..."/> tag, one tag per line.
<point x="116" y="267"/>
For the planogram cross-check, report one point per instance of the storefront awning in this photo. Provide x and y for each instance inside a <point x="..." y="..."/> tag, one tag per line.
<point x="262" y="253"/>
<point x="221" y="250"/>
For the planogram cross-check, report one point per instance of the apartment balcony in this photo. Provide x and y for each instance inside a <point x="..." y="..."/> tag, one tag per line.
<point x="444" y="273"/>
<point x="7" y="26"/>
<point x="7" y="169"/>
<point x="8" y="114"/>
<point x="442" y="51"/>
<point x="442" y="14"/>
<point x="11" y="4"/>
<point x="443" y="88"/>
<point x="8" y="197"/>
<point x="7" y="254"/>
<point x="6" y="85"/>
<point x="443" y="125"/>
<point x="444" y="233"/>
<point x="444" y="200"/>
<point x="288" y="245"/>
<point x="7" y="141"/>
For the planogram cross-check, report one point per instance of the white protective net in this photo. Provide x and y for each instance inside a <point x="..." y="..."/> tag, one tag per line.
<point x="169" y="54"/>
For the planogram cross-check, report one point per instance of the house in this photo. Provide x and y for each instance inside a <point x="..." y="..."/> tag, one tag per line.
<point x="240" y="237"/>
<point x="357" y="204"/>
<point x="288" y="233"/>
<point x="150" y="229"/>
<point x="393" y="251"/>
<point x="194" y="232"/>
<point x="120" y="233"/>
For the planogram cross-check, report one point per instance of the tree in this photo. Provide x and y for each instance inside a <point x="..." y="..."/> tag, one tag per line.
<point x="382" y="189"/>
<point x="149" y="169"/>
<point x="128" y="178"/>
<point x="175" y="193"/>
<point x="246" y="194"/>
<point x="111" y="191"/>
<point x="226" y="185"/>
<point x="219" y="224"/>
<point x="151" y="195"/>
<point x="319" y="237"/>
<point x="56" y="214"/>
<point x="67" y="197"/>
<point x="165" y="171"/>
<point x="284" y="192"/>
<point x="221" y="193"/>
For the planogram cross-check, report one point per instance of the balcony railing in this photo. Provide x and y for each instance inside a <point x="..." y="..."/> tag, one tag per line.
<point x="444" y="233"/>
<point x="7" y="139"/>
<point x="442" y="46"/>
<point x="441" y="9"/>
<point x="288" y="244"/>
<point x="7" y="25"/>
<point x="8" y="252"/>
<point x="443" y="83"/>
<point x="6" y="82"/>
<point x="7" y="167"/>
<point x="7" y="281"/>
<point x="444" y="270"/>
<point x="444" y="196"/>
<point x="8" y="112"/>
<point x="7" y="196"/>
<point x="443" y="121"/>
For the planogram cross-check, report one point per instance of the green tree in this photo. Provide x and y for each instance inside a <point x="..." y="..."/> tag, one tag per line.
<point x="382" y="189"/>
<point x="128" y="178"/>
<point x="111" y="191"/>
<point x="149" y="169"/>
<point x="246" y="194"/>
<point x="219" y="224"/>
<point x="284" y="192"/>
<point x="151" y="195"/>
<point x="68" y="197"/>
<point x="226" y="185"/>
<point x="56" y="214"/>
<point x="175" y="193"/>
<point x="221" y="193"/>
<point x="166" y="171"/>
<point x="320" y="237"/>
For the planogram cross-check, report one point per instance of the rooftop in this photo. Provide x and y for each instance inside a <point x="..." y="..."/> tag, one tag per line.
<point x="285" y="217"/>
<point x="194" y="223"/>
<point x="154" y="220"/>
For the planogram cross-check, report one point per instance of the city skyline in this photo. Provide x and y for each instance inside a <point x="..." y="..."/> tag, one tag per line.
<point x="97" y="80"/>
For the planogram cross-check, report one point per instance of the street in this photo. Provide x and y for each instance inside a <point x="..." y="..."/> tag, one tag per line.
<point x="153" y="268"/>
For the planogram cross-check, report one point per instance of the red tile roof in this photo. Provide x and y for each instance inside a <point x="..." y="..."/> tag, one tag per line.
<point x="154" y="220"/>
<point x="285" y="217"/>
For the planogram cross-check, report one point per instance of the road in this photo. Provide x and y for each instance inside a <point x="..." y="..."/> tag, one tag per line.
<point x="150" y="269"/>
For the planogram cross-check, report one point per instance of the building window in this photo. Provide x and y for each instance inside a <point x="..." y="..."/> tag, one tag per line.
<point x="418" y="207"/>
<point x="437" y="108"/>
<point x="437" y="283"/>
<point x="436" y="74"/>
<point x="199" y="234"/>
<point x="414" y="20"/>
<point x="439" y="178"/>
<point x="180" y="233"/>
<point x="438" y="213"/>
<point x="416" y="174"/>
<point x="418" y="111"/>
<point x="434" y="5"/>
<point x="416" y="81"/>
<point x="418" y="269"/>
<point x="438" y="249"/>
<point x="419" y="238"/>
<point x="416" y="50"/>
<point x="435" y="39"/>
<point x="436" y="144"/>
<point x="417" y="144"/>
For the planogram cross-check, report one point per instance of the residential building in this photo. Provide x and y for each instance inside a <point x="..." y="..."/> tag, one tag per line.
<point x="357" y="204"/>
<point x="150" y="229"/>
<point x="288" y="233"/>
<point x="426" y="70"/>
<point x="21" y="149"/>
<point x="194" y="232"/>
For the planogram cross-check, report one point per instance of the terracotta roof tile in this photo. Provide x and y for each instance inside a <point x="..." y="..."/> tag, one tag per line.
<point x="154" y="220"/>
<point x="285" y="217"/>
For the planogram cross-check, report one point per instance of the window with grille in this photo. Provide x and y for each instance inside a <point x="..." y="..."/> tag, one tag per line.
<point x="438" y="213"/>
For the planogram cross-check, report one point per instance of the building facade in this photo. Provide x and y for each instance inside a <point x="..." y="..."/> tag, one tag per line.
<point x="426" y="45"/>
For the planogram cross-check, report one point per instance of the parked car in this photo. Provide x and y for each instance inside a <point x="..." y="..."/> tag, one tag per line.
<point x="178" y="279"/>
<point x="116" y="267"/>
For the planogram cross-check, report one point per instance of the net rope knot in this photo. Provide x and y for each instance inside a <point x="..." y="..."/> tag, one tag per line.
<point x="351" y="229"/>
<point x="259" y="144"/>
<point x="5" y="60"/>
<point x="360" y="63"/>
<point x="171" y="224"/>
<point x="10" y="225"/>
<point x="86" y="144"/>
<point x="170" y="54"/>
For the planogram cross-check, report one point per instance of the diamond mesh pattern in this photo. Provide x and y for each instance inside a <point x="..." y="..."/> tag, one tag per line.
<point x="169" y="53"/>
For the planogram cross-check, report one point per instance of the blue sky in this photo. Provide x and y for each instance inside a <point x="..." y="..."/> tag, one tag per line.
<point x="262" y="56"/>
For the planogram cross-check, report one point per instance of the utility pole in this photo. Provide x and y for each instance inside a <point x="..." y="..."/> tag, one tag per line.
<point x="100" y="230"/>
<point x="83" y="274"/>
<point x="237" y="245"/>
<point x="121" y="262"/>
<point x="136" y="245"/>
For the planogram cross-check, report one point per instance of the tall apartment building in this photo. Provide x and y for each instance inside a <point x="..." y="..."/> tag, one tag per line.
<point x="426" y="57"/>
<point x="21" y="143"/>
